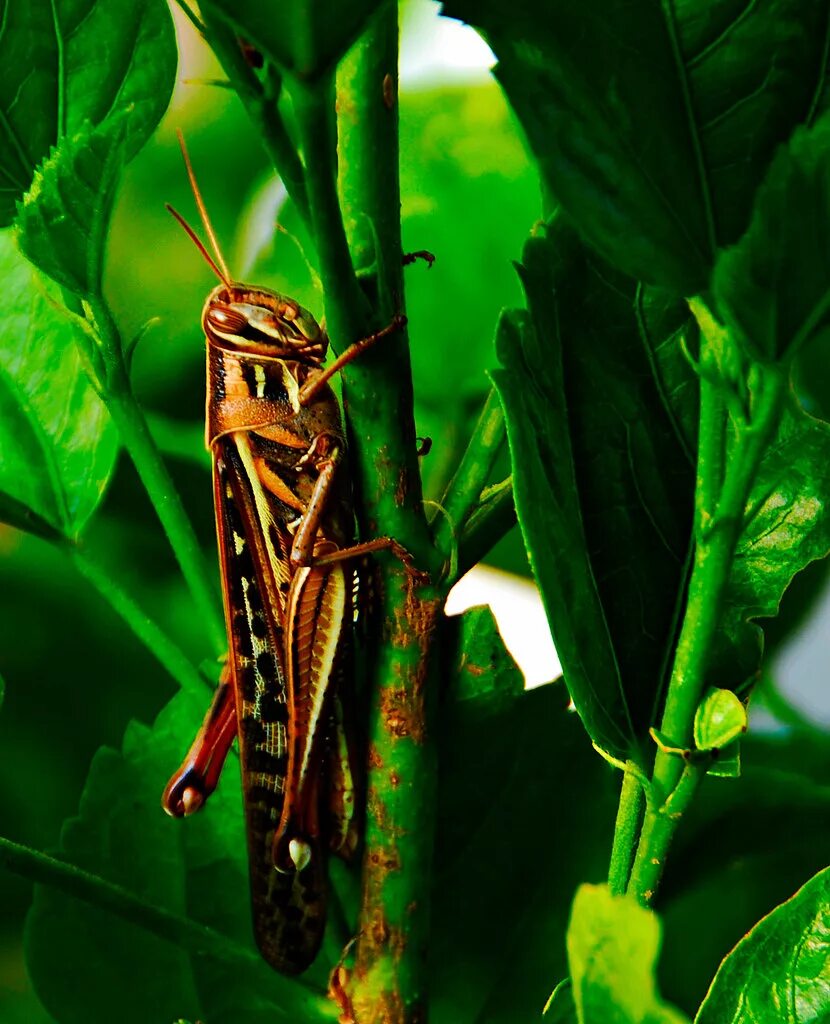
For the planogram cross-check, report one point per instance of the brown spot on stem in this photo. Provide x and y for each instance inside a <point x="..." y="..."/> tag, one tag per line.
<point x="403" y="713"/>
<point x="402" y="487"/>
<point x="379" y="932"/>
<point x="394" y="780"/>
<point x="396" y="941"/>
<point x="385" y="860"/>
<point x="388" y="91"/>
<point x="376" y="808"/>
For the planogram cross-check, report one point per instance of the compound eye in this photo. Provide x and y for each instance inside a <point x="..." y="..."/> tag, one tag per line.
<point x="226" y="321"/>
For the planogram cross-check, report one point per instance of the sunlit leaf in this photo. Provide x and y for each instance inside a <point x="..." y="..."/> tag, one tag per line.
<point x="786" y="528"/>
<point x="58" y="446"/>
<point x="786" y="524"/>
<point x="486" y="673"/>
<point x="613" y="944"/>
<point x="719" y="719"/>
<point x="63" y="221"/>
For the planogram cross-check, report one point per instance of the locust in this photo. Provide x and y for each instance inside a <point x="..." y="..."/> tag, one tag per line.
<point x="284" y="525"/>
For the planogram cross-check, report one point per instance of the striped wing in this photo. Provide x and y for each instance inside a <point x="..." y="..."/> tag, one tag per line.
<point x="288" y="907"/>
<point x="318" y="600"/>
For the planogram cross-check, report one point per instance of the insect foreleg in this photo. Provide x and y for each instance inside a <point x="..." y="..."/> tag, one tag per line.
<point x="318" y="380"/>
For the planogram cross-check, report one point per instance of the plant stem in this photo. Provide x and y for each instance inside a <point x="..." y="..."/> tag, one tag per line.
<point x="717" y="537"/>
<point x="629" y="814"/>
<point x="198" y="939"/>
<point x="389" y="979"/>
<point x="148" y="632"/>
<point x="658" y="831"/>
<point x="489" y="521"/>
<point x="261" y="108"/>
<point x="156" y="479"/>
<point x="724" y="479"/>
<point x="347" y="312"/>
<point x="464" y="489"/>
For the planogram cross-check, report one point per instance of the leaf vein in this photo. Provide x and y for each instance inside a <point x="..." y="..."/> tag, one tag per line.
<point x="721" y="38"/>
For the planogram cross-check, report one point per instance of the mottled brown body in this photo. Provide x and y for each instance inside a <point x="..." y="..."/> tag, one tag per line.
<point x="282" y="504"/>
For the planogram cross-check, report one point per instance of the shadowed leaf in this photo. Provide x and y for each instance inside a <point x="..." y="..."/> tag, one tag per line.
<point x="653" y="123"/>
<point x="779" y="971"/>
<point x="603" y="491"/>
<point x="306" y="39"/>
<point x="66" y="63"/>
<point x="83" y="960"/>
<point x="773" y="286"/>
<point x="514" y="777"/>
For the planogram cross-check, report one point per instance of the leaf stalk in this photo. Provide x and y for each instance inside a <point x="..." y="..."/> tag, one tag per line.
<point x="727" y="466"/>
<point x="171" y="657"/>
<point x="463" y="493"/>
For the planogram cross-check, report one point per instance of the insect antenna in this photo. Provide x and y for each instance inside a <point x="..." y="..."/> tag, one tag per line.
<point x="200" y="245"/>
<point x="218" y="265"/>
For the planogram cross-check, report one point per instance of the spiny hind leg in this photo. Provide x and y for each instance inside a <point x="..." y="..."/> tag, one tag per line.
<point x="198" y="776"/>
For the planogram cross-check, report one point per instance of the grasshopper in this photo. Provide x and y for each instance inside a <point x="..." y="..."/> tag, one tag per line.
<point x="284" y="523"/>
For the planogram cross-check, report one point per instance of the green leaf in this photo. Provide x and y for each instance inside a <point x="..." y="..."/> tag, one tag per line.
<point x="666" y="325"/>
<point x="22" y="1008"/>
<point x="602" y="487"/>
<point x="63" y="222"/>
<point x="719" y="719"/>
<point x="305" y="39"/>
<point x="780" y="970"/>
<point x="57" y="444"/>
<point x="63" y="64"/>
<point x="744" y="847"/>
<point x="727" y="764"/>
<point x="486" y="673"/>
<point x="613" y="945"/>
<point x="84" y="960"/>
<point x="513" y="841"/>
<point x="653" y="123"/>
<point x="787" y="527"/>
<point x="773" y="286"/>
